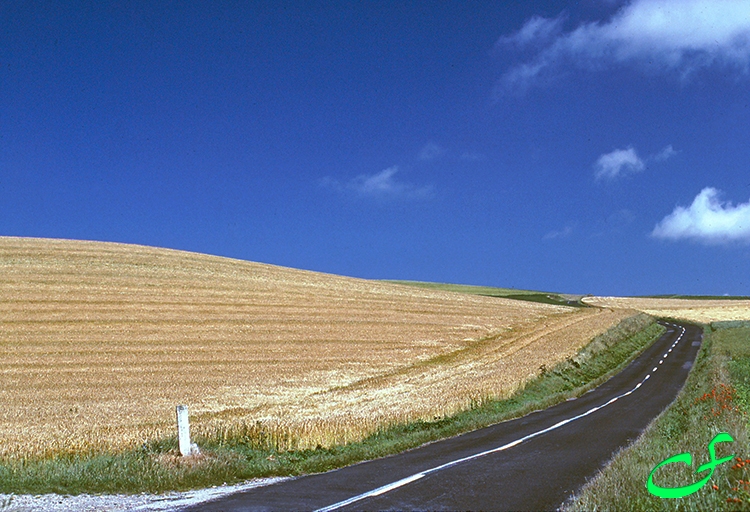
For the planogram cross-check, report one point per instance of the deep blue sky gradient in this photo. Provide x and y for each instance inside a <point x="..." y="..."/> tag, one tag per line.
<point x="249" y="129"/>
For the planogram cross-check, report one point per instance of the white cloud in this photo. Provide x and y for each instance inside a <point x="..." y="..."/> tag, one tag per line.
<point x="536" y="31"/>
<point x="618" y="163"/>
<point x="708" y="220"/>
<point x="563" y="233"/>
<point x="430" y="151"/>
<point x="665" y="154"/>
<point x="676" y="35"/>
<point x="621" y="162"/>
<point x="381" y="184"/>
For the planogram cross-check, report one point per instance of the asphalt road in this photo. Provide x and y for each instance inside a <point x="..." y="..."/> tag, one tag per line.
<point x="530" y="463"/>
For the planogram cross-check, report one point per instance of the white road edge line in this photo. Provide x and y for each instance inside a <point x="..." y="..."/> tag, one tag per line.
<point x="409" y="479"/>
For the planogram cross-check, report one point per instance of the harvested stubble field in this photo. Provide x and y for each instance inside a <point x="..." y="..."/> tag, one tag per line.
<point x="692" y="310"/>
<point x="100" y="341"/>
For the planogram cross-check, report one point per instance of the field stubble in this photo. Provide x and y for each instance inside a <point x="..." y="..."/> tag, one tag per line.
<point x="691" y="310"/>
<point x="100" y="341"/>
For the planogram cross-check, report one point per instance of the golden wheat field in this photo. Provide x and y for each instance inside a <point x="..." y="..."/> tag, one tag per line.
<point x="100" y="341"/>
<point x="692" y="310"/>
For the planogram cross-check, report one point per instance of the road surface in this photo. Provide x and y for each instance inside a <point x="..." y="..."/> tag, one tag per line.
<point x="530" y="463"/>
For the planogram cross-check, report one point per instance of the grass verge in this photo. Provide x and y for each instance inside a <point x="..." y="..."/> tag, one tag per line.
<point x="489" y="291"/>
<point x="157" y="467"/>
<point x="716" y="398"/>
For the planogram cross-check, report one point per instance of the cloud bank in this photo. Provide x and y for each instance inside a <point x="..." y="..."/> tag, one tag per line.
<point x="708" y="220"/>
<point x="381" y="184"/>
<point x="671" y="35"/>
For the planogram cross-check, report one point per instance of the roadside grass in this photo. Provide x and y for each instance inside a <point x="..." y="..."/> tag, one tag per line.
<point x="716" y="398"/>
<point x="230" y="459"/>
<point x="489" y="291"/>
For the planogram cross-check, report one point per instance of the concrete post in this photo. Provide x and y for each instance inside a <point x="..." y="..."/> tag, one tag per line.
<point x="183" y="430"/>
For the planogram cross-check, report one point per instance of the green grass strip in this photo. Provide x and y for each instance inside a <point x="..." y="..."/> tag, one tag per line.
<point x="489" y="291"/>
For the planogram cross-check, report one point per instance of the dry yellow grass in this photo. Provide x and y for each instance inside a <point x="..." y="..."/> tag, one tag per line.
<point x="692" y="310"/>
<point x="100" y="341"/>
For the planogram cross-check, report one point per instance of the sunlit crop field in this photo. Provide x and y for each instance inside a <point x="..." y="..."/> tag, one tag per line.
<point x="99" y="342"/>
<point x="692" y="310"/>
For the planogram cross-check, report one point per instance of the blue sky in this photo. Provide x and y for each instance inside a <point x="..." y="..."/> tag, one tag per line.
<point x="590" y="147"/>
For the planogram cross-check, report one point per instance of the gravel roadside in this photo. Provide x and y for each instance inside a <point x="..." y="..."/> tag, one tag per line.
<point x="167" y="502"/>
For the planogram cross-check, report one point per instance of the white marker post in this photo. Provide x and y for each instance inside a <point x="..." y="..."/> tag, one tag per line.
<point x="183" y="430"/>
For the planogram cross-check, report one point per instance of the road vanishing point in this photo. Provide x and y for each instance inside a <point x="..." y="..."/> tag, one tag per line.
<point x="531" y="463"/>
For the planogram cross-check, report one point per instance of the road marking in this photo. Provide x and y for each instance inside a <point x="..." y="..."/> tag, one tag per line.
<point x="413" y="478"/>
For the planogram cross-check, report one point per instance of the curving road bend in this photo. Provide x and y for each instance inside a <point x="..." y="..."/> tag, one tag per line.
<point x="530" y="463"/>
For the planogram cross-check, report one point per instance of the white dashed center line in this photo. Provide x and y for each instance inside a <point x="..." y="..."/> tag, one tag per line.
<point x="404" y="481"/>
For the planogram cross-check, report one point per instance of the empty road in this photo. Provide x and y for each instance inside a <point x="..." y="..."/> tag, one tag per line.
<point x="530" y="463"/>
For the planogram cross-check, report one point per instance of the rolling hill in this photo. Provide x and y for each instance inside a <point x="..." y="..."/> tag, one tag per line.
<point x="100" y="341"/>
